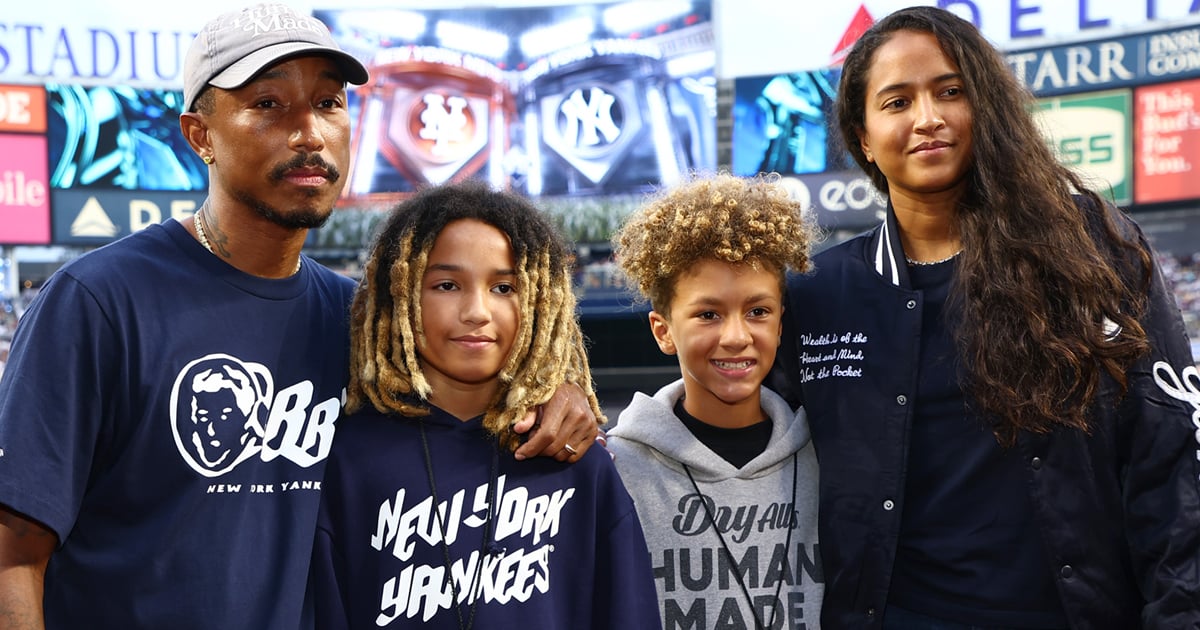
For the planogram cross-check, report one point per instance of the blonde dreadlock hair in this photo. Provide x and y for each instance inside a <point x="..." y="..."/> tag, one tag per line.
<point x="385" y="317"/>
<point x="721" y="217"/>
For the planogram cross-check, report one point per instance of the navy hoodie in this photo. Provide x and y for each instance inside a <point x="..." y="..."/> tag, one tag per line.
<point x="535" y="543"/>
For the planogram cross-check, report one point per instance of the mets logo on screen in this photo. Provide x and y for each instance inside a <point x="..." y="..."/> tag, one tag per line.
<point x="444" y="127"/>
<point x="225" y="411"/>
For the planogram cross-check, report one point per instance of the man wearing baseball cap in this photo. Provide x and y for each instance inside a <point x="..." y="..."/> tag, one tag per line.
<point x="208" y="334"/>
<point x="213" y="335"/>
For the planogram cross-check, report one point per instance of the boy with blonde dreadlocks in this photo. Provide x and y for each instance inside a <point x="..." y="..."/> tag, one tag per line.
<point x="465" y="320"/>
<point x="720" y="468"/>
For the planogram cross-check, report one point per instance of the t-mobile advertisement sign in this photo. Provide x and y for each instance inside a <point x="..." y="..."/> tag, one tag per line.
<point x="24" y="200"/>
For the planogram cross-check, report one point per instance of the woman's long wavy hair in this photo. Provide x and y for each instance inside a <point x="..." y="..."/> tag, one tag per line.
<point x="1041" y="269"/>
<point x="385" y="317"/>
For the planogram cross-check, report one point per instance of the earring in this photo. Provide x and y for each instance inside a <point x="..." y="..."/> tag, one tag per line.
<point x="208" y="159"/>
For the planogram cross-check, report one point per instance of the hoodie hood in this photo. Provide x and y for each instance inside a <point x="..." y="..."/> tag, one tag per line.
<point x="651" y="422"/>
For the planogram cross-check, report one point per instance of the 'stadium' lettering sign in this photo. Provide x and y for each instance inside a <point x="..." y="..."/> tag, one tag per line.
<point x="56" y="48"/>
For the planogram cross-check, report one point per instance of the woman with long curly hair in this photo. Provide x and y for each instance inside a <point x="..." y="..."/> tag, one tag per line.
<point x="993" y="374"/>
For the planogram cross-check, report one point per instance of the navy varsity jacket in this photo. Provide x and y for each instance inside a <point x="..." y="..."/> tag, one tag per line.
<point x="1118" y="510"/>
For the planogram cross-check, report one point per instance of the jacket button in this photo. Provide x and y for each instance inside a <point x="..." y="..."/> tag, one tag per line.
<point x="1066" y="571"/>
<point x="902" y="399"/>
<point x="888" y="505"/>
<point x="870" y="612"/>
<point x="1036" y="463"/>
<point x="911" y="304"/>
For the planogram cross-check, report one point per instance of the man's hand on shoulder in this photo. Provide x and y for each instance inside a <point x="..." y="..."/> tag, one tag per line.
<point x="564" y="428"/>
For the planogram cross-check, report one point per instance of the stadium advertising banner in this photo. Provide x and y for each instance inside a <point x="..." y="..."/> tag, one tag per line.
<point x="780" y="124"/>
<point x="565" y="102"/>
<point x="845" y="200"/>
<point x="22" y="109"/>
<point x="24" y="189"/>
<point x="574" y="103"/>
<point x="120" y="138"/>
<point x="1110" y="63"/>
<point x="1167" y="142"/>
<point x="1091" y="133"/>
<point x="118" y="161"/>
<point x="95" y="217"/>
<point x="24" y="202"/>
<point x="766" y="37"/>
<point x="142" y="42"/>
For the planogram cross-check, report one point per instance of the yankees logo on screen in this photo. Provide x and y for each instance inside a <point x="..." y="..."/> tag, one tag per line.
<point x="587" y="121"/>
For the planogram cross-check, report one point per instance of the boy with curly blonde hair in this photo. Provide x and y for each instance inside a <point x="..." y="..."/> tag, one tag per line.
<point x="720" y="468"/>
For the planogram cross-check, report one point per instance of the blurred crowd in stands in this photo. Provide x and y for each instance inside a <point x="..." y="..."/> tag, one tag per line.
<point x="599" y="275"/>
<point x="1183" y="274"/>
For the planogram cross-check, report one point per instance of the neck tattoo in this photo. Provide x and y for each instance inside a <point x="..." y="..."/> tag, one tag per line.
<point x="198" y="221"/>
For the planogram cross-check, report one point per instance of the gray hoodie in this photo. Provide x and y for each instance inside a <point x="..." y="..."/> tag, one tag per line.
<point x="697" y="585"/>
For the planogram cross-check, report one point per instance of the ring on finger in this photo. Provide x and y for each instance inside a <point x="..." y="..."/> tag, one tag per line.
<point x="570" y="449"/>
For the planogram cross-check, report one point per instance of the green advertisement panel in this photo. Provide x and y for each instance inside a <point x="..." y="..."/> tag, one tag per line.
<point x="1092" y="133"/>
